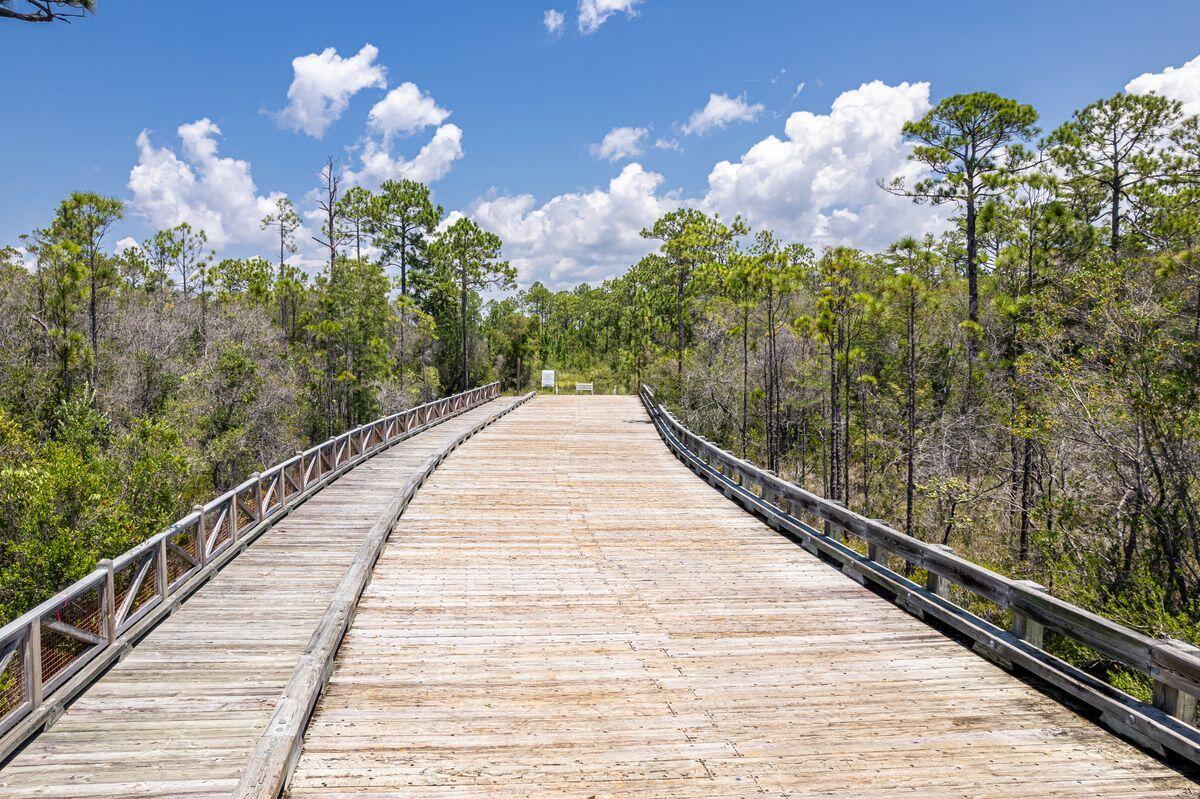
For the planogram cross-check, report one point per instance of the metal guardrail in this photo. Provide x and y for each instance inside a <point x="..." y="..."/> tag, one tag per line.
<point x="43" y="649"/>
<point x="1174" y="666"/>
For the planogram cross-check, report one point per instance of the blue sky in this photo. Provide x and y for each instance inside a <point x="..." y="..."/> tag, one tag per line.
<point x="527" y="104"/>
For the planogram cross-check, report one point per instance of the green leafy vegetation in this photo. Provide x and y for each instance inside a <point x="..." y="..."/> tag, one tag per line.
<point x="1024" y="387"/>
<point x="139" y="384"/>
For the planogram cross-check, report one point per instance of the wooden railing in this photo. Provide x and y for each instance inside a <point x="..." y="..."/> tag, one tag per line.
<point x="1167" y="725"/>
<point x="50" y="652"/>
<point x="270" y="765"/>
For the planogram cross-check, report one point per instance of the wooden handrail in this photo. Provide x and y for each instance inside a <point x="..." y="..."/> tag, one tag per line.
<point x="277" y="751"/>
<point x="1174" y="666"/>
<point x="96" y="619"/>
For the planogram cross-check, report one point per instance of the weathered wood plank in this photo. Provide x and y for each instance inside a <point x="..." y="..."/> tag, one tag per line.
<point x="181" y="714"/>
<point x="1122" y="643"/>
<point x="565" y="610"/>
<point x="270" y="764"/>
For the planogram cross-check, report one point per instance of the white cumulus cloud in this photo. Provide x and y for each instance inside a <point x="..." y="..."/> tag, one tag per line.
<point x="594" y="13"/>
<point x="213" y="193"/>
<point x="553" y="20"/>
<point x="404" y="111"/>
<point x="432" y="163"/>
<point x="719" y="111"/>
<point x="815" y="184"/>
<point x="1177" y="83"/>
<point x="620" y="143"/>
<point x="818" y="183"/>
<point x="323" y="84"/>
<point x="578" y="236"/>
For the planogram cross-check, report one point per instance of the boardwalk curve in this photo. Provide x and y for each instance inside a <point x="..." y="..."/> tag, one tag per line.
<point x="565" y="610"/>
<point x="181" y="715"/>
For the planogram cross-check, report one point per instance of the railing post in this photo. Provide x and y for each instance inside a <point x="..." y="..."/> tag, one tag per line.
<point x="201" y="544"/>
<point x="832" y="530"/>
<point x="258" y="497"/>
<point x="160" y="568"/>
<point x="877" y="553"/>
<point x="1170" y="699"/>
<point x="33" y="663"/>
<point x="1025" y="628"/>
<point x="935" y="583"/>
<point x="234" y="525"/>
<point x="108" y="600"/>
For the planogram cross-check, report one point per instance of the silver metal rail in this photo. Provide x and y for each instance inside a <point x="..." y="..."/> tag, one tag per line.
<point x="1167" y="725"/>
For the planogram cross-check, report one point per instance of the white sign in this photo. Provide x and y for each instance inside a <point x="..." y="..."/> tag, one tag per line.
<point x="547" y="378"/>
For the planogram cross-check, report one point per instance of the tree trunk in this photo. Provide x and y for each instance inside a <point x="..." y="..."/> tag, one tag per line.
<point x="910" y="401"/>
<point x="777" y="394"/>
<point x="463" y="308"/>
<point x="679" y="329"/>
<point x="972" y="301"/>
<point x="1115" y="214"/>
<point x="95" y="334"/>
<point x="283" y="319"/>
<point x="745" y="376"/>
<point x="835" y="471"/>
<point x="204" y="311"/>
<point x="846" y="416"/>
<point x="1027" y="466"/>
<point x="404" y="262"/>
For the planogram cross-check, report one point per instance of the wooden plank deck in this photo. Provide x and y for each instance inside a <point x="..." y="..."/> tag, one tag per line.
<point x="181" y="714"/>
<point x="565" y="610"/>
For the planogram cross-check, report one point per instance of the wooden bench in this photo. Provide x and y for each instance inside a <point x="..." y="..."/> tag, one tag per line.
<point x="582" y="387"/>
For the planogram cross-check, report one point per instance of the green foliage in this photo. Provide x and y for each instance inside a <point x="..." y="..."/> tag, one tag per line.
<point x="970" y="143"/>
<point x="224" y="425"/>
<point x="248" y="278"/>
<point x="1111" y="151"/>
<point x="403" y="220"/>
<point x="466" y="260"/>
<point x="135" y="385"/>
<point x="70" y="501"/>
<point x="349" y="329"/>
<point x="1024" y="388"/>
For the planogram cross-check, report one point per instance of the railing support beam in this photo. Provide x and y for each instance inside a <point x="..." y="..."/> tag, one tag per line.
<point x="935" y="583"/>
<point x="201" y="543"/>
<point x="33" y="664"/>
<point x="108" y="601"/>
<point x="1025" y="628"/>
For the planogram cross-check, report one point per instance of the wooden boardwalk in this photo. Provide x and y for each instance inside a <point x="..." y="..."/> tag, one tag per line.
<point x="565" y="610"/>
<point x="181" y="714"/>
